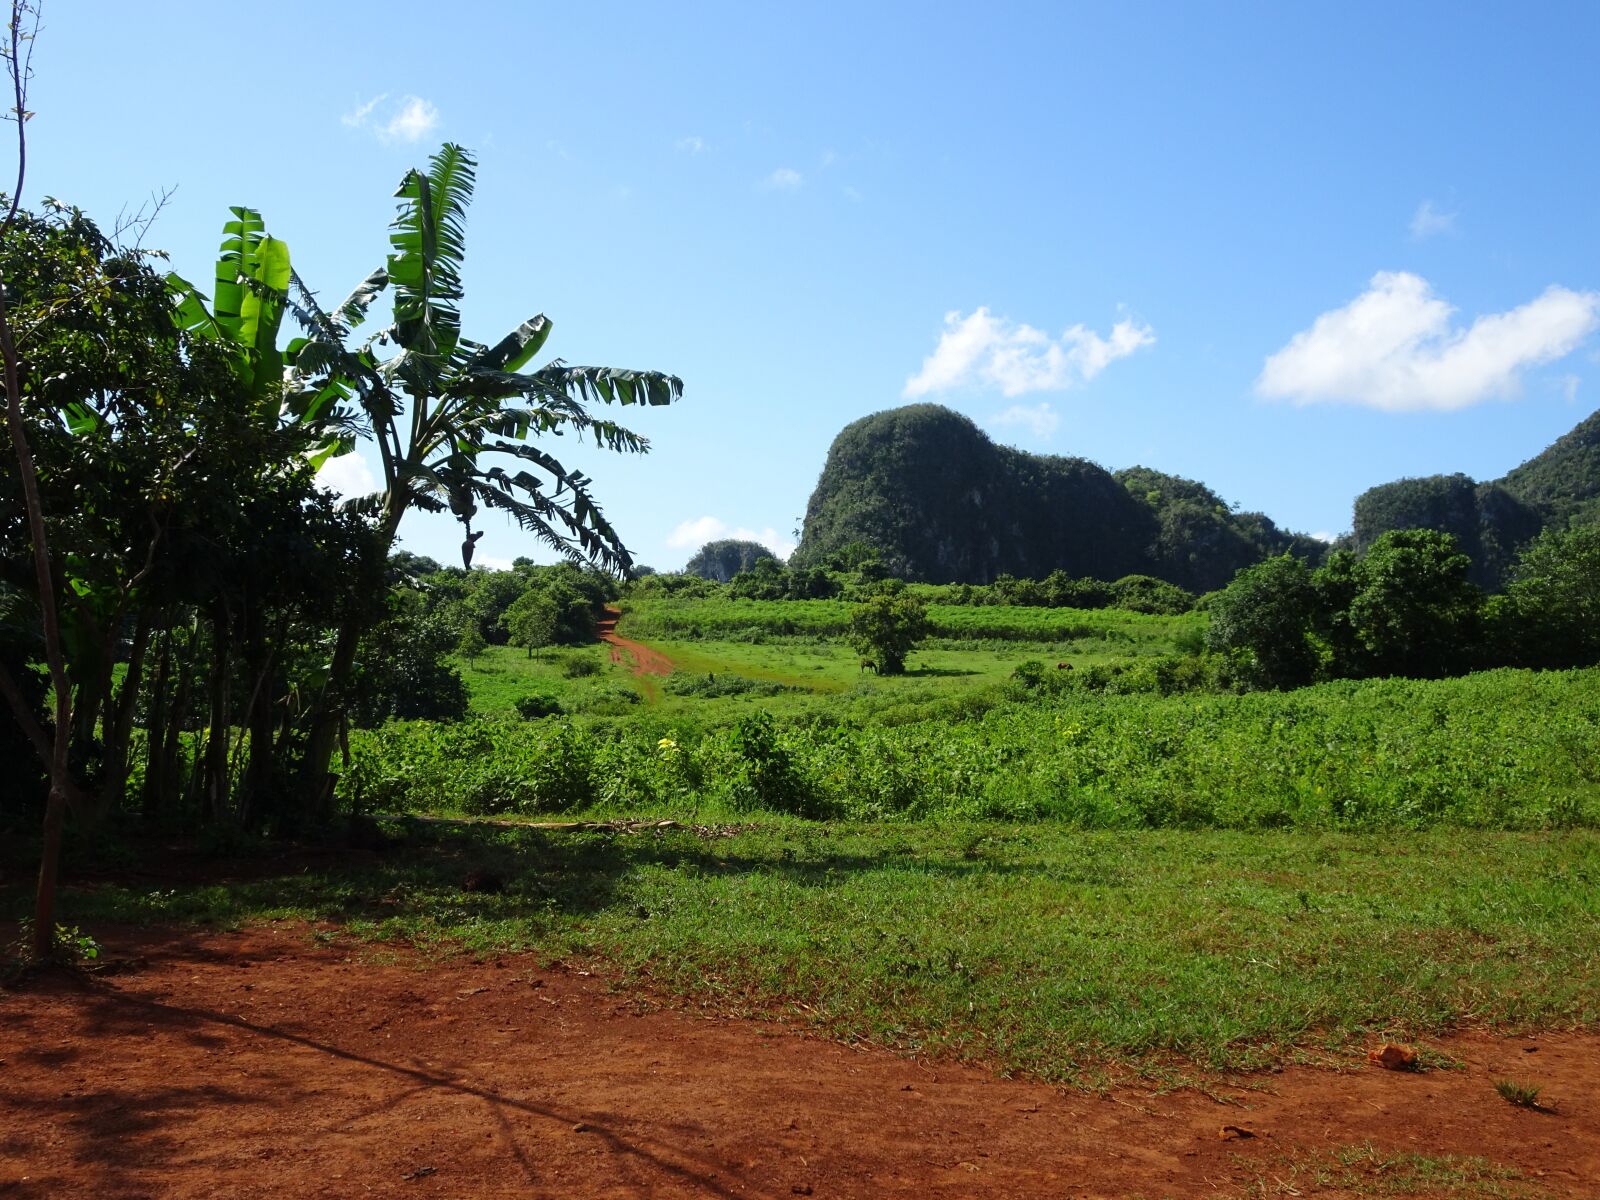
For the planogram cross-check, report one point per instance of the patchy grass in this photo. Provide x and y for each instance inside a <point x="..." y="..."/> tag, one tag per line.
<point x="1365" y="1170"/>
<point x="1037" y="948"/>
<point x="1522" y="1095"/>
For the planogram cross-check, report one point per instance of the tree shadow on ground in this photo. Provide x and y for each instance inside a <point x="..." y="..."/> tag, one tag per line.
<point x="454" y="875"/>
<point x="123" y="1134"/>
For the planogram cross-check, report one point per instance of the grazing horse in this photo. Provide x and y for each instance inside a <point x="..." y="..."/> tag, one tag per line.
<point x="1063" y="666"/>
<point x="868" y="665"/>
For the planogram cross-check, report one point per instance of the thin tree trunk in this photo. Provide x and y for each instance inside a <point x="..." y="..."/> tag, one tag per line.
<point x="118" y="728"/>
<point x="156" y="722"/>
<point x="217" y="799"/>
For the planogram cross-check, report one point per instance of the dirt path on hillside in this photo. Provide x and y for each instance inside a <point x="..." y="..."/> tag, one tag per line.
<point x="269" y="1063"/>
<point x="645" y="660"/>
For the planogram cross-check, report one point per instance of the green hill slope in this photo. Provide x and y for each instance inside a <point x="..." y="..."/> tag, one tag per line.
<point x="940" y="502"/>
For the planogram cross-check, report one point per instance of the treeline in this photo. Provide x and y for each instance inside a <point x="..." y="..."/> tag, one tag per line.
<point x="856" y="573"/>
<point x="1409" y="607"/>
<point x="405" y="669"/>
<point x="219" y="620"/>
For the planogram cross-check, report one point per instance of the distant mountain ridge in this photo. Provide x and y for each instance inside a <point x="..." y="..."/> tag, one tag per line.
<point x="940" y="502"/>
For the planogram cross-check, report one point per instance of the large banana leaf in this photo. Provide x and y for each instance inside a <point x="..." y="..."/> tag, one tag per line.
<point x="428" y="242"/>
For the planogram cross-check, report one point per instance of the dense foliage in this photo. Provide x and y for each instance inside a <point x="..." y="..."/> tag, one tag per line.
<point x="886" y="627"/>
<point x="1492" y="521"/>
<point x="934" y="499"/>
<point x="1408" y="607"/>
<point x="1504" y="749"/>
<point x="224" y="620"/>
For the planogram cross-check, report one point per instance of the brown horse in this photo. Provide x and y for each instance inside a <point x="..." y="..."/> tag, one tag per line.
<point x="868" y="665"/>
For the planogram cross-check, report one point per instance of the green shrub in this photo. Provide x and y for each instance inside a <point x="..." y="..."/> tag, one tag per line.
<point x="537" y="705"/>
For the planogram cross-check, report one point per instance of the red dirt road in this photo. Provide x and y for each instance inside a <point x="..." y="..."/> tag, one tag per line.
<point x="261" y="1064"/>
<point x="645" y="660"/>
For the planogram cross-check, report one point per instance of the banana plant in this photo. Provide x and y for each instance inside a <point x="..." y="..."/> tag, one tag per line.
<point x="244" y="318"/>
<point x="457" y="422"/>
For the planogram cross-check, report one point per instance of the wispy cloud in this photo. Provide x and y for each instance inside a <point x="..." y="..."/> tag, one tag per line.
<point x="691" y="145"/>
<point x="1429" y="221"/>
<point x="696" y="532"/>
<point x="1393" y="348"/>
<point x="409" y="119"/>
<point x="1040" y="419"/>
<point x="357" y="116"/>
<point x="784" y="179"/>
<point x="1018" y="359"/>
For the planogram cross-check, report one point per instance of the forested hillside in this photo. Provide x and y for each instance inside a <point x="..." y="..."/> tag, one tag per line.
<point x="938" y="501"/>
<point x="1557" y="487"/>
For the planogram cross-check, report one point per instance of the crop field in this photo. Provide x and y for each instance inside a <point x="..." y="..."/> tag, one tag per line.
<point x="1498" y="750"/>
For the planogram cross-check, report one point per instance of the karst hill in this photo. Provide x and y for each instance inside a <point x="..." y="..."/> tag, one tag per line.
<point x="939" y="501"/>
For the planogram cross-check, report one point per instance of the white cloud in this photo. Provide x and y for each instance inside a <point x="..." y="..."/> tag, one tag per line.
<point x="357" y="116"/>
<point x="1393" y="348"/>
<point x="1429" y="221"/>
<point x="784" y="179"/>
<point x="409" y="119"/>
<point x="1569" y="388"/>
<point x="852" y="194"/>
<point x="1019" y="359"/>
<point x="348" y="475"/>
<point x="692" y="145"/>
<point x="1322" y="535"/>
<point x="416" y="120"/>
<point x="1041" y="419"/>
<point x="694" y="533"/>
<point x="488" y="562"/>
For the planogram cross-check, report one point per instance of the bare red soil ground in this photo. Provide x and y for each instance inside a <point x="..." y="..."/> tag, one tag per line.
<point x="262" y="1063"/>
<point x="645" y="660"/>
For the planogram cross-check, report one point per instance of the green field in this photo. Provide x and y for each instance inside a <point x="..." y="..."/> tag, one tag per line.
<point x="1497" y="750"/>
<point x="1051" y="873"/>
<point x="1032" y="947"/>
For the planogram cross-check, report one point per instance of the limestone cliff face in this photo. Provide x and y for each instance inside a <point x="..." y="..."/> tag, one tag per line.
<point x="938" y="501"/>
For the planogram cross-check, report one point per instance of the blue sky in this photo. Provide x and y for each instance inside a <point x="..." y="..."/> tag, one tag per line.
<point x="1289" y="250"/>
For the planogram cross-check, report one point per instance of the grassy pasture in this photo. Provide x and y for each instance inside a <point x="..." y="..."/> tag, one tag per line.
<point x="1033" y="947"/>
<point x="800" y="645"/>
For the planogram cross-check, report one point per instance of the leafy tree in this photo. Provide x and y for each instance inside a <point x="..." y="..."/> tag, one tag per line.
<point x="1262" y="622"/>
<point x="404" y="673"/>
<point x="1334" y="586"/>
<point x="532" y="620"/>
<point x="1554" y="599"/>
<point x="1415" y="612"/>
<point x="1144" y="594"/>
<point x="887" y="627"/>
<point x="471" y="643"/>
